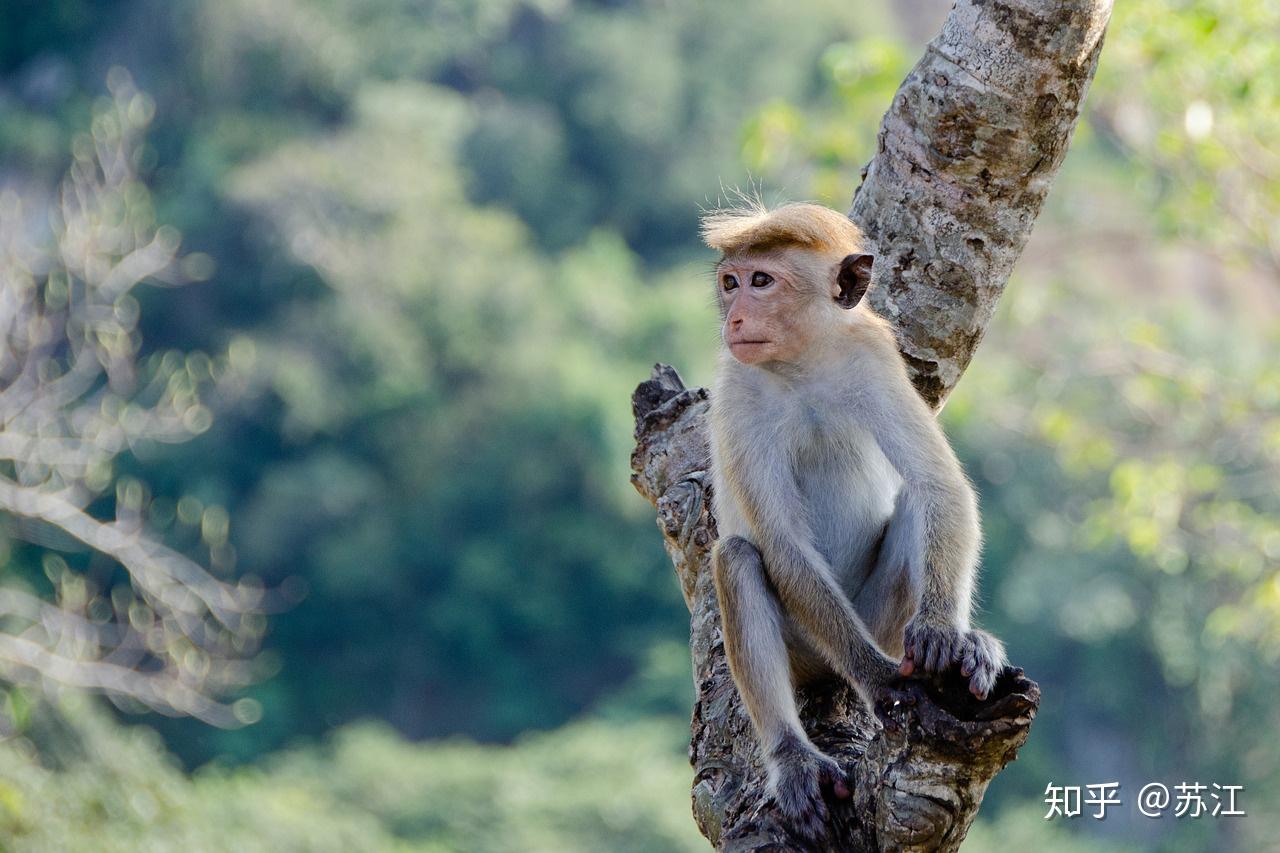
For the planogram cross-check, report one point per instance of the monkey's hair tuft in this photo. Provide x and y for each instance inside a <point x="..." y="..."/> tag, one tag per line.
<point x="753" y="227"/>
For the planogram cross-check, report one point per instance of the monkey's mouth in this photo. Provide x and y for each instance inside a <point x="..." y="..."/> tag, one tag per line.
<point x="748" y="343"/>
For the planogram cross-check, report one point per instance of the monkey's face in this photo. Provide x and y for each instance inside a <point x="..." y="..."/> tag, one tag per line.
<point x="768" y="306"/>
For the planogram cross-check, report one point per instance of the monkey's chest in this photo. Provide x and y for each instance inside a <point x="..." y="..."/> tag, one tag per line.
<point x="848" y="489"/>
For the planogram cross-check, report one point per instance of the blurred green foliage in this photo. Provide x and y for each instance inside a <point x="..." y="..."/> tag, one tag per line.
<point x="81" y="782"/>
<point x="1192" y="92"/>
<point x="447" y="239"/>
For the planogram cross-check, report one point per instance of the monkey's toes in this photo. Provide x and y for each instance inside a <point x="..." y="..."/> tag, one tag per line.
<point x="940" y="653"/>
<point x="983" y="669"/>
<point x="800" y="800"/>
<point x="833" y="778"/>
<point x="981" y="662"/>
<point x="798" y="790"/>
<point x="982" y="681"/>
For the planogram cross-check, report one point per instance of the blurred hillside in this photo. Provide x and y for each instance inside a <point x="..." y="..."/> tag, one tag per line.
<point x="440" y="242"/>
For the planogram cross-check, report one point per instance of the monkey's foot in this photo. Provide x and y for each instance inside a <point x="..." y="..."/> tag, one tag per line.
<point x="981" y="660"/>
<point x="800" y="776"/>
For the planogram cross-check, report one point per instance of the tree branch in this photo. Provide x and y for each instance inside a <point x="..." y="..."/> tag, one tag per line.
<point x="967" y="153"/>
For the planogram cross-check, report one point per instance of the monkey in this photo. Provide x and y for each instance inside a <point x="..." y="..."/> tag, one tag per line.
<point x="849" y="533"/>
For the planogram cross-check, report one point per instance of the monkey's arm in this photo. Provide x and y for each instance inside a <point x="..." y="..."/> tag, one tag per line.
<point x="944" y="535"/>
<point x="939" y="498"/>
<point x="762" y="483"/>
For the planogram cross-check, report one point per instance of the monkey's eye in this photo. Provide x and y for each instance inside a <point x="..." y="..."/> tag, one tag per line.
<point x="761" y="279"/>
<point x="730" y="282"/>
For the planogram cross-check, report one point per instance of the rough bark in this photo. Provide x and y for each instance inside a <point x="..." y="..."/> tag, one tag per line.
<point x="967" y="153"/>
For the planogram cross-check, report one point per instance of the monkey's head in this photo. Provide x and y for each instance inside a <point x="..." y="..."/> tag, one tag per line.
<point x="788" y="278"/>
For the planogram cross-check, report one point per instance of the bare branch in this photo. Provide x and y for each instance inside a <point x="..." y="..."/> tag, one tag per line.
<point x="24" y="661"/>
<point x="75" y="396"/>
<point x="180" y="583"/>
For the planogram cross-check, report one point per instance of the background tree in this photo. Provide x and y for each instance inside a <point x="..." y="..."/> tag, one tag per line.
<point x="168" y="634"/>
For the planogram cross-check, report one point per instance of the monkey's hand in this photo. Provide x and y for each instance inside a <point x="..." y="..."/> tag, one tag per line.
<point x="799" y="776"/>
<point x="934" y="647"/>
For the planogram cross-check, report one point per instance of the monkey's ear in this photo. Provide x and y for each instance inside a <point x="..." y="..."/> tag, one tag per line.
<point x="853" y="279"/>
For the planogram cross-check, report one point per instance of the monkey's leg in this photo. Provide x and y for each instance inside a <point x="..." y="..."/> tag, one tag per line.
<point x="753" y="627"/>
<point x="763" y="486"/>
<point x="816" y="605"/>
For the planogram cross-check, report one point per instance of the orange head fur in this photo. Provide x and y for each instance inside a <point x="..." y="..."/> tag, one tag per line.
<point x="755" y="228"/>
<point x="784" y="276"/>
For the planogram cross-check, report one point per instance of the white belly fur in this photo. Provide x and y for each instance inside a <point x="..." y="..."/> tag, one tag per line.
<point x="848" y="492"/>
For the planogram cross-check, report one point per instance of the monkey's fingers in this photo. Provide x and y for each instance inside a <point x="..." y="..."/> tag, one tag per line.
<point x="985" y="673"/>
<point x="810" y="823"/>
<point x="983" y="660"/>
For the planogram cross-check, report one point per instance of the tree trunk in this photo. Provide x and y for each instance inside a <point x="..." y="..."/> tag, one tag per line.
<point x="967" y="153"/>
